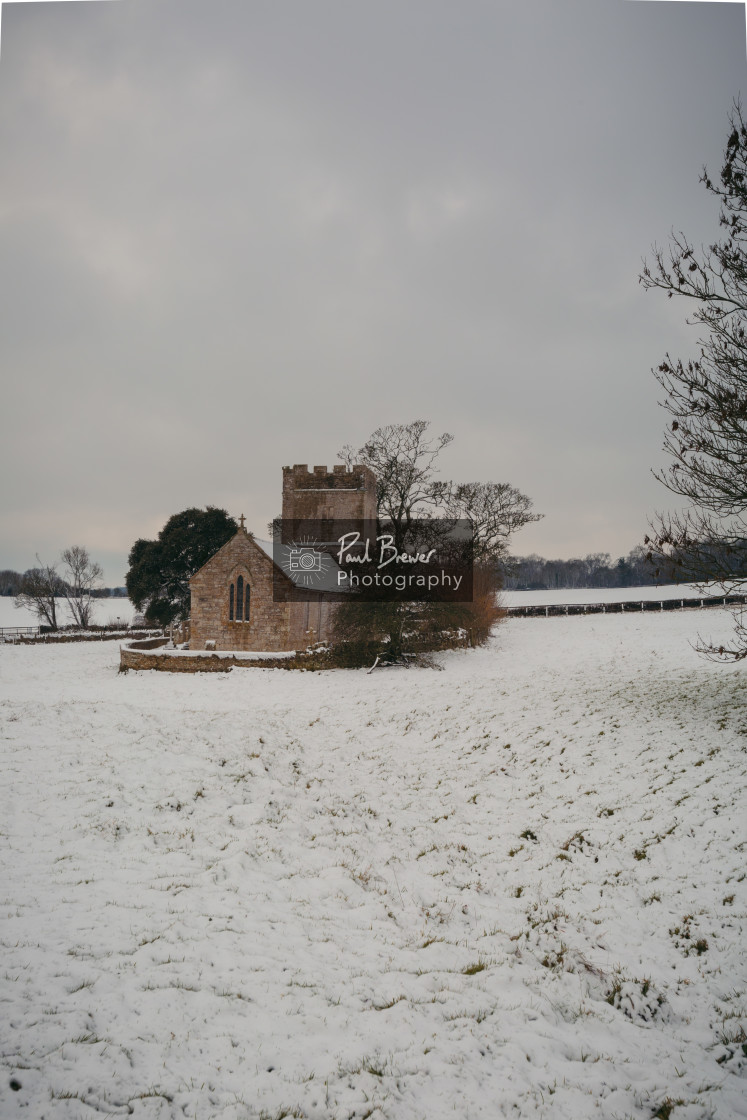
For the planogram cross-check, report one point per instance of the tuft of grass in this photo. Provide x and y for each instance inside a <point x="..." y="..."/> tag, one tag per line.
<point x="665" y="1109"/>
<point x="472" y="969"/>
<point x="426" y="851"/>
<point x="556" y="958"/>
<point x="682" y="936"/>
<point x="736" y="1036"/>
<point x="577" y="839"/>
<point x="147" y="1094"/>
<point x="389" y="1003"/>
<point x="282" y="1114"/>
<point x="79" y="988"/>
<point x="614" y="992"/>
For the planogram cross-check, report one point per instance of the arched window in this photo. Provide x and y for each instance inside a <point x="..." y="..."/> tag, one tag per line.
<point x="247" y="597"/>
<point x="230" y="604"/>
<point x="240" y="599"/>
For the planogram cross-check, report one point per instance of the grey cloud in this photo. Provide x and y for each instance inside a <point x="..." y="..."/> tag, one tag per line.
<point x="236" y="235"/>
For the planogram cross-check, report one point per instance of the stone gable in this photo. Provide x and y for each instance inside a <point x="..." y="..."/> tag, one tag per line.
<point x="271" y="626"/>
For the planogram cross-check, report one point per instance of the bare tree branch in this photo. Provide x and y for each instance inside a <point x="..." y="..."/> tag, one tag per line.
<point x="403" y="460"/>
<point x="706" y="396"/>
<point x="495" y="509"/>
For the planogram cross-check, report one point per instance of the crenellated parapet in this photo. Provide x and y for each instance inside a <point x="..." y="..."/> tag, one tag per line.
<point x="300" y="477"/>
<point x="342" y="493"/>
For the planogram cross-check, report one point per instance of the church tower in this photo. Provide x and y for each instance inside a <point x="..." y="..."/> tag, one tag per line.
<point x="320" y="497"/>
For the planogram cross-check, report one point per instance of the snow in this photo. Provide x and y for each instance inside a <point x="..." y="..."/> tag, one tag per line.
<point x="608" y="594"/>
<point x="104" y="611"/>
<point x="210" y="654"/>
<point x="515" y="887"/>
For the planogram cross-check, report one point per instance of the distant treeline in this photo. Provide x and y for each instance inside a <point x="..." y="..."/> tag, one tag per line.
<point x="700" y="562"/>
<point x="10" y="584"/>
<point x="596" y="570"/>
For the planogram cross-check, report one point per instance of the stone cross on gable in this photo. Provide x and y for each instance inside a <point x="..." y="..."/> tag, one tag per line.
<point x="242" y="519"/>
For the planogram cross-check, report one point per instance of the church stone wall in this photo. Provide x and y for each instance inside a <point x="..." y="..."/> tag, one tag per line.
<point x="271" y="626"/>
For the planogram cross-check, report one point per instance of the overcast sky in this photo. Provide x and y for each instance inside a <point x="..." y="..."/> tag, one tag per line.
<point x="237" y="235"/>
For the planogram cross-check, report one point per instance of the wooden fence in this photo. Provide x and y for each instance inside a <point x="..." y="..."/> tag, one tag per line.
<point x="630" y="607"/>
<point x="13" y="633"/>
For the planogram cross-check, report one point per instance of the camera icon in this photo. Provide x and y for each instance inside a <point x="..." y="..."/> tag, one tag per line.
<point x="304" y="560"/>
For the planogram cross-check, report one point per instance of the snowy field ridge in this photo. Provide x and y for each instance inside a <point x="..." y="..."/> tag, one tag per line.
<point x="513" y="888"/>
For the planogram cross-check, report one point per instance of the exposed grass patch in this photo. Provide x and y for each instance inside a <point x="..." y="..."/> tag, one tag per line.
<point x="473" y="969"/>
<point x="666" y="1108"/>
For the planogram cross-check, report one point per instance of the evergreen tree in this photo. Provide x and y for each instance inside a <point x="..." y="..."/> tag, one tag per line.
<point x="160" y="570"/>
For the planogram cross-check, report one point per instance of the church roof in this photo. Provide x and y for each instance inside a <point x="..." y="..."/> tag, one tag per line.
<point x="321" y="578"/>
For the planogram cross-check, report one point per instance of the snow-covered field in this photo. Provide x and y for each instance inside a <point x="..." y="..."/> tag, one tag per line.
<point x="513" y="888"/>
<point x="114" y="610"/>
<point x="104" y="611"/>
<point x="606" y="594"/>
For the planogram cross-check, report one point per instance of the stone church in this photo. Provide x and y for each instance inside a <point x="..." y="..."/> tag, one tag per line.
<point x="235" y="594"/>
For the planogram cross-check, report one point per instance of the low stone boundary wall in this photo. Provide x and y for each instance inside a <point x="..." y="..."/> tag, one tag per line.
<point x="148" y="643"/>
<point x="137" y="656"/>
<point x="62" y="637"/>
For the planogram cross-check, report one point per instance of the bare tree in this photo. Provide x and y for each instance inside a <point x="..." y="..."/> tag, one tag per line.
<point x="418" y="507"/>
<point x="82" y="576"/>
<point x="495" y="509"/>
<point x="706" y="397"/>
<point x="403" y="460"/>
<point x="39" y="591"/>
